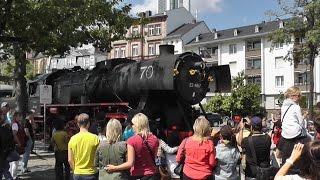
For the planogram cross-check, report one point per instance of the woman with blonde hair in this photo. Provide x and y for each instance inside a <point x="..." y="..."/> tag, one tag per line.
<point x="198" y="152"/>
<point x="293" y="128"/>
<point x="142" y="150"/>
<point x="112" y="151"/>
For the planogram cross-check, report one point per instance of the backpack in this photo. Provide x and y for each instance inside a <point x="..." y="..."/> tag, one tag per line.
<point x="23" y="138"/>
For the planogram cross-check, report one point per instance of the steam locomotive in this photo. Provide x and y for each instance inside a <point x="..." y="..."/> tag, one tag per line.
<point x="163" y="88"/>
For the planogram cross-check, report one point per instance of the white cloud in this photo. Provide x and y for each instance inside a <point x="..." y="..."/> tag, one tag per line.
<point x="207" y="6"/>
<point x="151" y="5"/>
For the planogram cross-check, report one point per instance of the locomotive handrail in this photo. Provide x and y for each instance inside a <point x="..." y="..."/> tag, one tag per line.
<point x="87" y="104"/>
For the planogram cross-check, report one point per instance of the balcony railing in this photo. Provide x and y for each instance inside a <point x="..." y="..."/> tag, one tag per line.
<point x="252" y="72"/>
<point x="253" y="53"/>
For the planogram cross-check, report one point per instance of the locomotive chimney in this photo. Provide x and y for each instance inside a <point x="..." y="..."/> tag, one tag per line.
<point x="166" y="49"/>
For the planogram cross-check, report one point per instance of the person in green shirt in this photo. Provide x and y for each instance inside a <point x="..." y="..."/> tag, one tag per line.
<point x="81" y="151"/>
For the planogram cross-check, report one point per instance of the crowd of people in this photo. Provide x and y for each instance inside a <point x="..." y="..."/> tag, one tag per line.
<point x="280" y="149"/>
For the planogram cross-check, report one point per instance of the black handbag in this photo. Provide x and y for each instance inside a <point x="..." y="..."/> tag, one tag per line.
<point x="178" y="170"/>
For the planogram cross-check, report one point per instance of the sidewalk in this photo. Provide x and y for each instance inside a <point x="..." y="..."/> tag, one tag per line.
<point x="40" y="151"/>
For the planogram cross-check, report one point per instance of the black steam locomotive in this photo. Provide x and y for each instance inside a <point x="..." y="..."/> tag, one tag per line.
<point x="163" y="88"/>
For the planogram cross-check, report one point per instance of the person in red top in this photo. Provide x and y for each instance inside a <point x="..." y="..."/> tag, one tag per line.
<point x="141" y="151"/>
<point x="199" y="152"/>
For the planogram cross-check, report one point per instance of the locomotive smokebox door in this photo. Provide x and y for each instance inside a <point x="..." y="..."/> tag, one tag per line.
<point x="190" y="81"/>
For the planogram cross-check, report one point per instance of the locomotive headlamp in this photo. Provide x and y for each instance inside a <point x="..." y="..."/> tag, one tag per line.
<point x="175" y="72"/>
<point x="192" y="72"/>
<point x="210" y="78"/>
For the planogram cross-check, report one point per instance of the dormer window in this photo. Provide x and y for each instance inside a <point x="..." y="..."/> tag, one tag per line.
<point x="256" y="29"/>
<point x="235" y="32"/>
<point x="280" y="24"/>
<point x="215" y="35"/>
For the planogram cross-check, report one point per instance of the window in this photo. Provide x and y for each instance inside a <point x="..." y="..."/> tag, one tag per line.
<point x="254" y="64"/>
<point x="232" y="48"/>
<point x="135" y="50"/>
<point x="254" y="80"/>
<point x="301" y="78"/>
<point x="87" y="61"/>
<point x="253" y="45"/>
<point x="279" y="81"/>
<point x="151" y="30"/>
<point x="158" y="29"/>
<point x="69" y="61"/>
<point x="279" y="62"/>
<point x="278" y="45"/>
<point x="117" y="52"/>
<point x="135" y="31"/>
<point x="123" y="52"/>
<point x="157" y="48"/>
<point x="151" y="49"/>
<point x="213" y="50"/>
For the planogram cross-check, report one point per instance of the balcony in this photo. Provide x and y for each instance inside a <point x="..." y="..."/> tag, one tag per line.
<point x="253" y="53"/>
<point x="252" y="72"/>
<point x="302" y="86"/>
<point x="212" y="58"/>
<point x="302" y="68"/>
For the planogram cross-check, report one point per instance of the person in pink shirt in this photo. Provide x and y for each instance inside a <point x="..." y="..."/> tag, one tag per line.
<point x="199" y="151"/>
<point x="141" y="151"/>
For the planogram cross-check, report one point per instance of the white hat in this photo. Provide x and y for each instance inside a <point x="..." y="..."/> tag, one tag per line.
<point x="4" y="104"/>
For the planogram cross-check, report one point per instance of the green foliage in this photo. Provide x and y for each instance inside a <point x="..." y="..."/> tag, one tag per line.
<point x="53" y="27"/>
<point x="305" y="23"/>
<point x="244" y="99"/>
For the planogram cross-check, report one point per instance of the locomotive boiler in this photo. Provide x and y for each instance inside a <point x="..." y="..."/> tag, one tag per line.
<point x="163" y="88"/>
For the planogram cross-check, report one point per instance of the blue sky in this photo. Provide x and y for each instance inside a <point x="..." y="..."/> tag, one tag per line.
<point x="221" y="14"/>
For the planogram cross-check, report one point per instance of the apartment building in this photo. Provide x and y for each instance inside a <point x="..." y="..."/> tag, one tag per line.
<point x="249" y="49"/>
<point x="85" y="57"/>
<point x="143" y="40"/>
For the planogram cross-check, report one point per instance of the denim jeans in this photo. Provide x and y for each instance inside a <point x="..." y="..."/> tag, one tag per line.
<point x="5" y="172"/>
<point x="86" y="177"/>
<point x="26" y="154"/>
<point x="62" y="162"/>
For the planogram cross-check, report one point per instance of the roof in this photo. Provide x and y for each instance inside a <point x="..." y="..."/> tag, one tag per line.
<point x="244" y="31"/>
<point x="183" y="29"/>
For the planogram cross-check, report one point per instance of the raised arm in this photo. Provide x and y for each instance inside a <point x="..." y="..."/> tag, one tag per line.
<point x="295" y="155"/>
<point x="167" y="148"/>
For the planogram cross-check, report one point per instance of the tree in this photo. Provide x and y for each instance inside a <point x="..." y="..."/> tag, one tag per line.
<point x="245" y="99"/>
<point x="305" y="23"/>
<point x="53" y="27"/>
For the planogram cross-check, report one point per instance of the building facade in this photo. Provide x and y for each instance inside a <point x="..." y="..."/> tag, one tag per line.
<point x="249" y="49"/>
<point x="142" y="41"/>
<point x="85" y="57"/>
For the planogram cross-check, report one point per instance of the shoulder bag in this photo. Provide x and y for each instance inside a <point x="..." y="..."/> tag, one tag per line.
<point x="179" y="169"/>
<point x="163" y="172"/>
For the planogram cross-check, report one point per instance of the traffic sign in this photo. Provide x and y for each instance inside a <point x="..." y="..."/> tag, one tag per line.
<point x="45" y="94"/>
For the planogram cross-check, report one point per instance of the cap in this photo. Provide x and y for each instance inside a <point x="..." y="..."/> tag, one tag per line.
<point x="255" y="120"/>
<point x="4" y="104"/>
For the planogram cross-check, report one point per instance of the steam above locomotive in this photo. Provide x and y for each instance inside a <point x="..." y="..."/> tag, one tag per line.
<point x="164" y="87"/>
